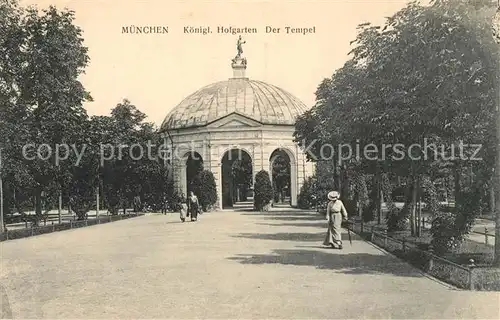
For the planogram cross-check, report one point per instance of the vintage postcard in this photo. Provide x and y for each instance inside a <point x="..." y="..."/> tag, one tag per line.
<point x="250" y="159"/>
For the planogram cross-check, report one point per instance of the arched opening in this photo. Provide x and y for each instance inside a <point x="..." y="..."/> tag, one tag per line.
<point x="236" y="177"/>
<point x="194" y="165"/>
<point x="281" y="177"/>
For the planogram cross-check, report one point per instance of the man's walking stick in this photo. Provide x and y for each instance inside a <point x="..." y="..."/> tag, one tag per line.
<point x="349" y="233"/>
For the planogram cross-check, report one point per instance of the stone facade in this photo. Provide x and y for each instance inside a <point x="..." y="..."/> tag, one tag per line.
<point x="258" y="141"/>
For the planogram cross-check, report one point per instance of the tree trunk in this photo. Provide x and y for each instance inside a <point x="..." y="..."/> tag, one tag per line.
<point x="492" y="198"/>
<point x="18" y="206"/>
<point x="497" y="185"/>
<point x="457" y="176"/>
<point x="38" y="202"/>
<point x="419" y="212"/>
<point x="336" y="177"/>
<point x="379" y="205"/>
<point x="360" y="208"/>
<point x="1" y="195"/>
<point x="379" y="195"/>
<point x="413" y="205"/>
<point x="445" y="193"/>
<point x="38" y="205"/>
<point x="1" y="200"/>
<point x="345" y="191"/>
<point x="97" y="201"/>
<point x="59" y="207"/>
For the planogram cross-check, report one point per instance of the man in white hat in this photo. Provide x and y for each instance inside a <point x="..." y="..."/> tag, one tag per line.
<point x="335" y="212"/>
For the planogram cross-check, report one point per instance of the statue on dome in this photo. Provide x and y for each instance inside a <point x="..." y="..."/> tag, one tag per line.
<point x="239" y="47"/>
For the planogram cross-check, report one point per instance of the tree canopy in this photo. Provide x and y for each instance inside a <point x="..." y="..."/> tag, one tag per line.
<point x="428" y="77"/>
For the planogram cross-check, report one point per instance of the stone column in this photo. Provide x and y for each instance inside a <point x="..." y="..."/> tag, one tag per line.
<point x="182" y="171"/>
<point x="215" y="168"/>
<point x="294" y="185"/>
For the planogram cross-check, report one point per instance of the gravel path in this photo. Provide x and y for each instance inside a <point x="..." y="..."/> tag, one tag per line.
<point x="228" y="265"/>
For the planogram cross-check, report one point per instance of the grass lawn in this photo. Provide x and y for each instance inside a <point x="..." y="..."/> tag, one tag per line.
<point x="469" y="249"/>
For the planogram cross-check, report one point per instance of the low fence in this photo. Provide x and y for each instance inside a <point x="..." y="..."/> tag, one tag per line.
<point x="54" y="227"/>
<point x="469" y="276"/>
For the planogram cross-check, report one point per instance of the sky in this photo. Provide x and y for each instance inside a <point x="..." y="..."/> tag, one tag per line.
<point x="157" y="71"/>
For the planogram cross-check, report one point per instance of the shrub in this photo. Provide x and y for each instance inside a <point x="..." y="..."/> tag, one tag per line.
<point x="444" y="233"/>
<point x="466" y="209"/>
<point x="449" y="229"/>
<point x="307" y="196"/>
<point x="207" y="190"/>
<point x="263" y="191"/>
<point x="396" y="220"/>
<point x="369" y="212"/>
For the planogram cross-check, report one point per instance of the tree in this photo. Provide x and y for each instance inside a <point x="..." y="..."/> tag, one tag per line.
<point x="428" y="76"/>
<point x="132" y="166"/>
<point x="496" y="34"/>
<point x="263" y="191"/>
<point x="42" y="58"/>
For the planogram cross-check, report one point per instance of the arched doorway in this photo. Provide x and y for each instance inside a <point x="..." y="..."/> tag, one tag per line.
<point x="281" y="177"/>
<point x="194" y="165"/>
<point x="236" y="169"/>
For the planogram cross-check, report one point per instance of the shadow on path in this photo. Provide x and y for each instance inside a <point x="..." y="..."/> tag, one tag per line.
<point x="289" y="215"/>
<point x="294" y="217"/>
<point x="282" y="213"/>
<point x="322" y="224"/>
<point x="350" y="263"/>
<point x="4" y="304"/>
<point x="286" y="236"/>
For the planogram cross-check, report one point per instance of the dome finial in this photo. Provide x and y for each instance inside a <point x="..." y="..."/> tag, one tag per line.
<point x="239" y="64"/>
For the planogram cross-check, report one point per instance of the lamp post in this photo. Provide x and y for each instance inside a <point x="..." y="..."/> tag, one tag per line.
<point x="496" y="35"/>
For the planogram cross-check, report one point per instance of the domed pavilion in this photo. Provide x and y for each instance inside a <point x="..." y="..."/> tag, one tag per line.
<point x="236" y="122"/>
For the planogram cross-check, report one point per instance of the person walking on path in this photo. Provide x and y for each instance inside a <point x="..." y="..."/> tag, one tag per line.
<point x="335" y="213"/>
<point x="194" y="206"/>
<point x="183" y="207"/>
<point x="164" y="205"/>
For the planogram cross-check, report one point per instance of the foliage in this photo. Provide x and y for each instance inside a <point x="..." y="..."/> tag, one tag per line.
<point x="42" y="57"/>
<point x="263" y="191"/>
<point x="370" y="211"/>
<point x="307" y="196"/>
<point x="450" y="229"/>
<point x="396" y="220"/>
<point x="242" y="171"/>
<point x="207" y="191"/>
<point x="430" y="196"/>
<point x="465" y="212"/>
<point x="428" y="76"/>
<point x="325" y="181"/>
<point x="444" y="234"/>
<point x="386" y="187"/>
<point x="361" y="188"/>
<point x="280" y="173"/>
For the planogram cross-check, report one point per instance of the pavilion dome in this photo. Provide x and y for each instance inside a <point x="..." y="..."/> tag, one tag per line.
<point x="256" y="100"/>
